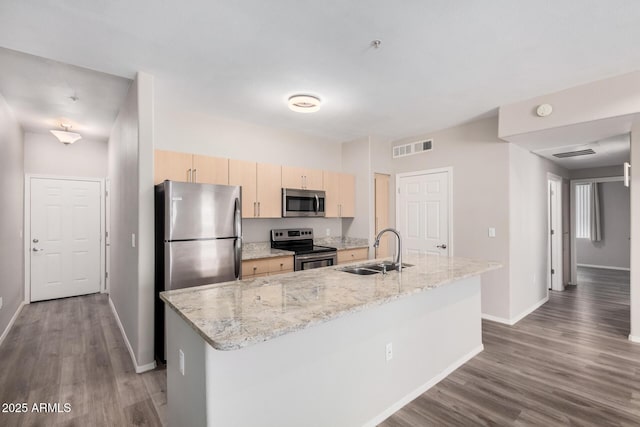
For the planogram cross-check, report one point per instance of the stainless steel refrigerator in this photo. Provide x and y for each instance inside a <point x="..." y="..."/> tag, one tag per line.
<point x="198" y="239"/>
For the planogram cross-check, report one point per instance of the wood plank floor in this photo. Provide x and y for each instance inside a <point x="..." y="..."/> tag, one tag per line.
<point x="71" y="351"/>
<point x="568" y="363"/>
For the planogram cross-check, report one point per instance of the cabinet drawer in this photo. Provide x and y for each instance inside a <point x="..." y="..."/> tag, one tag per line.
<point x="281" y="264"/>
<point x="255" y="267"/>
<point x="350" y="255"/>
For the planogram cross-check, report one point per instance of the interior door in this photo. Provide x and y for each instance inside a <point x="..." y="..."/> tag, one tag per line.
<point x="555" y="235"/>
<point x="381" y="183"/>
<point x="423" y="213"/>
<point x="65" y="238"/>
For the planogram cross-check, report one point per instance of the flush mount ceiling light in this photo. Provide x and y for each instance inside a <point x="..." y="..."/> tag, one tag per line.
<point x="304" y="103"/>
<point x="65" y="136"/>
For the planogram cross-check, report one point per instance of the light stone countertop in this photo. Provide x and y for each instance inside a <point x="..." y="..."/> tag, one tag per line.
<point x="233" y="315"/>
<point x="262" y="250"/>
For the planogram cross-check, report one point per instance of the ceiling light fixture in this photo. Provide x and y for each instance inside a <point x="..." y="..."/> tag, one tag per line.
<point x="65" y="136"/>
<point x="304" y="103"/>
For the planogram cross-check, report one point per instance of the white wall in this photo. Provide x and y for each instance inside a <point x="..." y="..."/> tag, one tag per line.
<point x="123" y="173"/>
<point x="634" y="334"/>
<point x="480" y="192"/>
<point x="528" y="205"/>
<point x="614" y="248"/>
<point x="45" y="155"/>
<point x="257" y="230"/>
<point x="132" y="212"/>
<point x="182" y="126"/>
<point x="11" y="219"/>
<point x="603" y="172"/>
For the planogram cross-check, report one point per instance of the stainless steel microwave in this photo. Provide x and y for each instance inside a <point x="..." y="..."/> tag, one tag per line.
<point x="297" y="203"/>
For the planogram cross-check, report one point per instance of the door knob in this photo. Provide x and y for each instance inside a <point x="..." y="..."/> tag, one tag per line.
<point x="37" y="250"/>
<point x="442" y="246"/>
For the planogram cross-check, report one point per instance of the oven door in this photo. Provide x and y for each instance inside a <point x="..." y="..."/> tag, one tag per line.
<point x="297" y="203"/>
<point x="309" y="261"/>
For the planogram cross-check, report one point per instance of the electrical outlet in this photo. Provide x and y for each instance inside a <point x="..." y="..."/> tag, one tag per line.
<point x="328" y="232"/>
<point x="389" y="351"/>
<point x="181" y="361"/>
<point x="492" y="232"/>
<point x="133" y="240"/>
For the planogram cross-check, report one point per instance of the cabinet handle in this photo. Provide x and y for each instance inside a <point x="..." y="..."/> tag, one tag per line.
<point x="258" y="208"/>
<point x="255" y="268"/>
<point x="340" y="211"/>
<point x="188" y="175"/>
<point x="195" y="175"/>
<point x="304" y="182"/>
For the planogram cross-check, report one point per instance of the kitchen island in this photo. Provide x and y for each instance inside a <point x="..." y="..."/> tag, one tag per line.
<point x="319" y="347"/>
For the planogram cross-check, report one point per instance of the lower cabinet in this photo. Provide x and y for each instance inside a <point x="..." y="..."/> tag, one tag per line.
<point x="351" y="255"/>
<point x="266" y="266"/>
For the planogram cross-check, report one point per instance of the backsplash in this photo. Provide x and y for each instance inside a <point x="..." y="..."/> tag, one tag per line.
<point x="257" y="229"/>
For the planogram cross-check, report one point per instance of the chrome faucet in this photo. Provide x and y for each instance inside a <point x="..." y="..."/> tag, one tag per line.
<point x="398" y="261"/>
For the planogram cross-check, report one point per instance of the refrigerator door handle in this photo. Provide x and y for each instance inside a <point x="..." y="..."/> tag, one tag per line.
<point x="237" y="228"/>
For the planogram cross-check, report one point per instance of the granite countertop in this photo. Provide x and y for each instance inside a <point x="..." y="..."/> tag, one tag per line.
<point x="341" y="243"/>
<point x="233" y="315"/>
<point x="262" y="250"/>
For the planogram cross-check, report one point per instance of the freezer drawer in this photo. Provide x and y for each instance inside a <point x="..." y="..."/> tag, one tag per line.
<point x="200" y="262"/>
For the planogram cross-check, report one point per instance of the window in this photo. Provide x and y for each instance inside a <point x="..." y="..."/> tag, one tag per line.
<point x="583" y="211"/>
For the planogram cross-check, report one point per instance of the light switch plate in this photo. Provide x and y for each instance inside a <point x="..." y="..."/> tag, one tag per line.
<point x="492" y="232"/>
<point x="0" y="302"/>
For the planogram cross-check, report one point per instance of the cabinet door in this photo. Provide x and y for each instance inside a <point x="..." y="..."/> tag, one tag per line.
<point x="171" y="165"/>
<point x="292" y="177"/>
<point x="382" y="213"/>
<point x="243" y="173"/>
<point x="312" y="179"/>
<point x="331" y="187"/>
<point x="210" y="170"/>
<point x="347" y="195"/>
<point x="269" y="191"/>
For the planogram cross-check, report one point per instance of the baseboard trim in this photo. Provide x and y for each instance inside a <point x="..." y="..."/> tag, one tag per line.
<point x="139" y="368"/>
<point x="635" y="339"/>
<point x="423" y="388"/>
<point x="519" y="317"/>
<point x="11" y="322"/>
<point x="606" y="267"/>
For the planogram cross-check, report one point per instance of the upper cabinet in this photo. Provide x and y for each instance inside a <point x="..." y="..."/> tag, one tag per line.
<point x="302" y="178"/>
<point x="188" y="167"/>
<point x="261" y="188"/>
<point x="340" y="189"/>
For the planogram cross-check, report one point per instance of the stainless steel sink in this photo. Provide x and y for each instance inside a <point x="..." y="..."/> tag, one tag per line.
<point x="368" y="269"/>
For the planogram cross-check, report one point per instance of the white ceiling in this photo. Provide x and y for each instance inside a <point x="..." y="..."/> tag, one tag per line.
<point x="39" y="92"/>
<point x="612" y="151"/>
<point x="441" y="62"/>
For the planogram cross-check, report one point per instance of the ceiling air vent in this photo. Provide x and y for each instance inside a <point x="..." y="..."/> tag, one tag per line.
<point x="575" y="153"/>
<point x="412" y="148"/>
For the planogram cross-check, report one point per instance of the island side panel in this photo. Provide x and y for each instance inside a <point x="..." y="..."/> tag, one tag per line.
<point x="186" y="399"/>
<point x="336" y="373"/>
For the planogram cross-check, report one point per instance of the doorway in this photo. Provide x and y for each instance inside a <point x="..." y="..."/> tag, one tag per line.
<point x="64" y="226"/>
<point x="554" y="232"/>
<point x="600" y="212"/>
<point x="423" y="211"/>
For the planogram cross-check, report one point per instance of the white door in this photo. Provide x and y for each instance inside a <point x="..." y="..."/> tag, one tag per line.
<point x="555" y="235"/>
<point x="65" y="238"/>
<point x="423" y="212"/>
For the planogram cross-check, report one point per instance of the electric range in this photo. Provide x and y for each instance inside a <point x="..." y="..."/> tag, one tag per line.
<point x="300" y="241"/>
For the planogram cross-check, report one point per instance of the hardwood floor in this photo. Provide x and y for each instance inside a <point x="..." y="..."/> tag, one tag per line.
<point x="568" y="363"/>
<point x="71" y="351"/>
